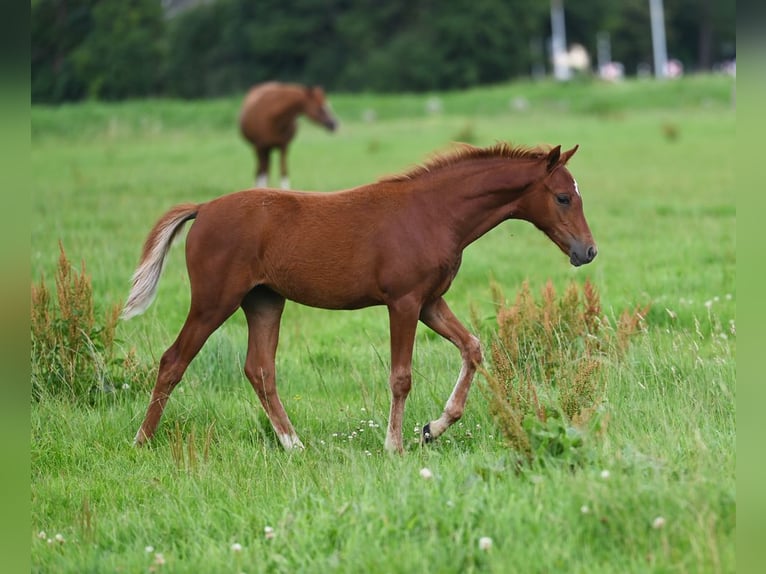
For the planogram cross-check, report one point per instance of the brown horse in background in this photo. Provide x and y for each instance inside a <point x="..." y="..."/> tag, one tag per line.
<point x="268" y="120"/>
<point x="397" y="242"/>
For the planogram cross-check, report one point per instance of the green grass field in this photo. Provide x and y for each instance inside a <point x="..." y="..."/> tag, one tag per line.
<point x="656" y="170"/>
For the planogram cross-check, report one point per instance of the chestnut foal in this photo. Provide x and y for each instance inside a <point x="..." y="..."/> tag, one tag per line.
<point x="397" y="242"/>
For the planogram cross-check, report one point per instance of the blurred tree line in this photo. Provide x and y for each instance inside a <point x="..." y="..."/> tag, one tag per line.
<point x="116" y="49"/>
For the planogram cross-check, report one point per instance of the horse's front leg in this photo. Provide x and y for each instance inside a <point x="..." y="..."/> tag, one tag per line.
<point x="285" y="181"/>
<point x="403" y="319"/>
<point x="439" y="317"/>
<point x="262" y="167"/>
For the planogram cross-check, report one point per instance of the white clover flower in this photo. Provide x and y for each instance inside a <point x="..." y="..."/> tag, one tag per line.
<point x="605" y="474"/>
<point x="426" y="473"/>
<point x="42" y="535"/>
<point x="236" y="547"/>
<point x="485" y="543"/>
<point x="658" y="523"/>
<point x="268" y="532"/>
<point x="59" y="538"/>
<point x="584" y="509"/>
<point x="125" y="386"/>
<point x="149" y="549"/>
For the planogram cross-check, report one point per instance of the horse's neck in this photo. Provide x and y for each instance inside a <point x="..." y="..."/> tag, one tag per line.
<point x="477" y="196"/>
<point x="290" y="105"/>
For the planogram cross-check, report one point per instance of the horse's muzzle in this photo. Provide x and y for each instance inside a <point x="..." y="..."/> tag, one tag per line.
<point x="581" y="256"/>
<point x="331" y="124"/>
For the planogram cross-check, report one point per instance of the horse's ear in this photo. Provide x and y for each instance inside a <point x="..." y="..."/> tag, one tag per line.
<point x="553" y="158"/>
<point x="315" y="92"/>
<point x="567" y="154"/>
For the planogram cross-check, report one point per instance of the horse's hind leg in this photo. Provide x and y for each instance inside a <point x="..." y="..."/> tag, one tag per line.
<point x="440" y="318"/>
<point x="198" y="327"/>
<point x="263" y="309"/>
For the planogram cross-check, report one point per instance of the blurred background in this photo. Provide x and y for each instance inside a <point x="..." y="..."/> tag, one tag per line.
<point x="112" y="50"/>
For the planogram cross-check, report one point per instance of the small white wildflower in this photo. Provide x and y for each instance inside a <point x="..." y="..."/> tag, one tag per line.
<point x="159" y="559"/>
<point x="42" y="535"/>
<point x="605" y="474"/>
<point x="364" y="410"/>
<point x="426" y="473"/>
<point x="268" y="532"/>
<point x="236" y="547"/>
<point x="149" y="549"/>
<point x="485" y="543"/>
<point x="728" y="296"/>
<point x="368" y="453"/>
<point x="50" y="540"/>
<point x="125" y="386"/>
<point x="584" y="509"/>
<point x="59" y="538"/>
<point x="658" y="523"/>
<point x="709" y="303"/>
<point x="716" y="298"/>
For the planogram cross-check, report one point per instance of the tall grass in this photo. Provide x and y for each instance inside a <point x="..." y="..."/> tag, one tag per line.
<point x="652" y="487"/>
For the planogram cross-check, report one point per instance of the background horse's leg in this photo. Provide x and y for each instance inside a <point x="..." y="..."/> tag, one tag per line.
<point x="283" y="166"/>
<point x="196" y="330"/>
<point x="263" y="309"/>
<point x="439" y="317"/>
<point x="262" y="169"/>
<point x="404" y="322"/>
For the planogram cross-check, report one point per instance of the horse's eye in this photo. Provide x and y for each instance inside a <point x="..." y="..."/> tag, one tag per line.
<point x="562" y="199"/>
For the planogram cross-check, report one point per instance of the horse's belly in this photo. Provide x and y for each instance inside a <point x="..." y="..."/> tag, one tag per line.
<point x="337" y="295"/>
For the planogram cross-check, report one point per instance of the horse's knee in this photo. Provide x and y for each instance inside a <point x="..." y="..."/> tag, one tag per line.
<point x="259" y="377"/>
<point x="401" y="382"/>
<point x="472" y="352"/>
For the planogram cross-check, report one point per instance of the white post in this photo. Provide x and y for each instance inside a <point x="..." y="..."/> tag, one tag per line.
<point x="659" y="46"/>
<point x="603" y="50"/>
<point x="559" y="41"/>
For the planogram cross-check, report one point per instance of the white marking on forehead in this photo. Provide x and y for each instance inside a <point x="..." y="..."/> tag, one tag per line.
<point x="577" y="189"/>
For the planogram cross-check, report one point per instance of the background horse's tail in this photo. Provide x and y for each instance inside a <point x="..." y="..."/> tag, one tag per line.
<point x="157" y="245"/>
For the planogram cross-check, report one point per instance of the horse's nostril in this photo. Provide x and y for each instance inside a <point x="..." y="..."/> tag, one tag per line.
<point x="591" y="253"/>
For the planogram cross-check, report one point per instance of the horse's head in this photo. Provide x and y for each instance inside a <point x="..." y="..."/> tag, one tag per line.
<point x="555" y="206"/>
<point x="318" y="109"/>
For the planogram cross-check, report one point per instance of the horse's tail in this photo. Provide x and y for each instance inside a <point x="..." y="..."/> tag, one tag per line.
<point x="155" y="250"/>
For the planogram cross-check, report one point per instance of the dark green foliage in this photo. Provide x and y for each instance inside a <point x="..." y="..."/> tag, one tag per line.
<point x="106" y="50"/>
<point x="117" y="50"/>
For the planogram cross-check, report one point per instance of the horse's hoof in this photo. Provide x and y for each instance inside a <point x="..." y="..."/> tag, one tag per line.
<point x="427" y="438"/>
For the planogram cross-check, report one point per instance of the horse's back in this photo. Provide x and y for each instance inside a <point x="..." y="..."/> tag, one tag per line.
<point x="273" y="238"/>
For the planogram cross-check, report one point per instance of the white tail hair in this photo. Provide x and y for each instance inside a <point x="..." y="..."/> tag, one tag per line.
<point x="156" y="248"/>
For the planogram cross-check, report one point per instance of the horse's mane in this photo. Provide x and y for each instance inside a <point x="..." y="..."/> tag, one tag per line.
<point x="467" y="152"/>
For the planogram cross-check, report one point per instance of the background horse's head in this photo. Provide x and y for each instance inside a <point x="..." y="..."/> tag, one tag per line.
<point x="555" y="207"/>
<point x="317" y="108"/>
